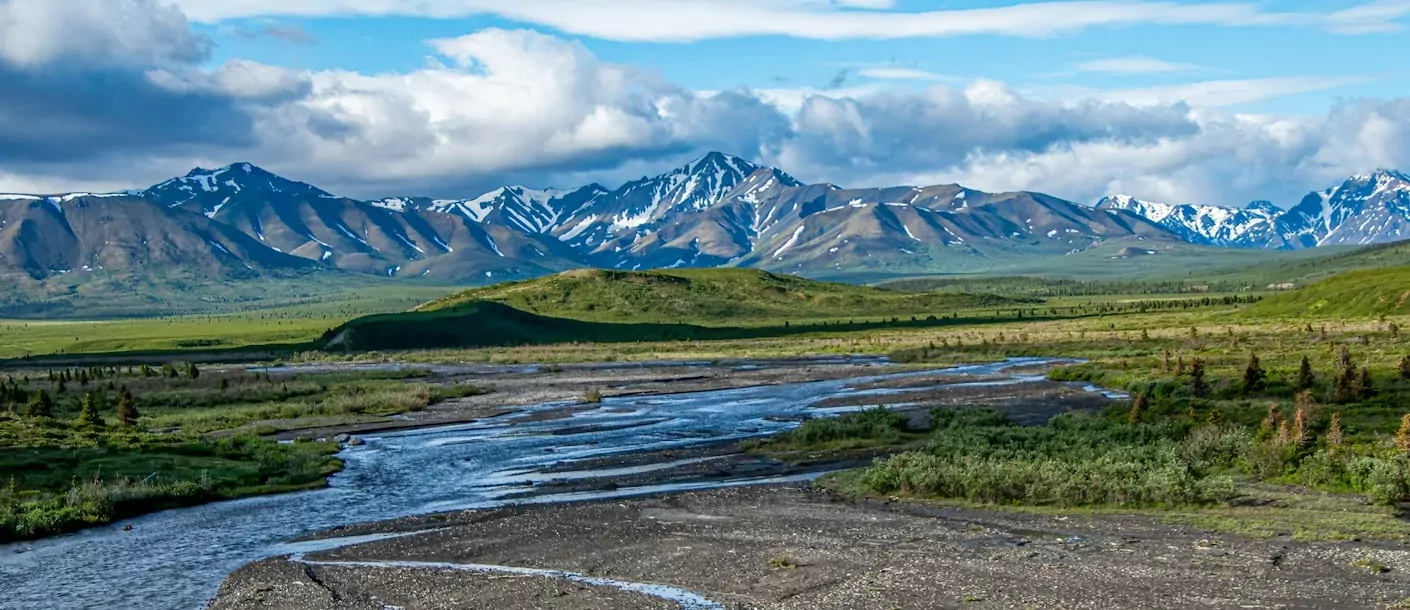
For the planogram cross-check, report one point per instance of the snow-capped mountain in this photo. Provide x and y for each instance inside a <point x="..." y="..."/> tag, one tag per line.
<point x="1253" y="227"/>
<point x="1365" y="209"/>
<point x="716" y="210"/>
<point x="614" y="221"/>
<point x="210" y="191"/>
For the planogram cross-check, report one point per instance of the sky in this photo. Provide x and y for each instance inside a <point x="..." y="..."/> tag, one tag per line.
<point x="1208" y="102"/>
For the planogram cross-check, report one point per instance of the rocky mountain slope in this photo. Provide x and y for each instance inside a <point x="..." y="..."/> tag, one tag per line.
<point x="1364" y="209"/>
<point x="715" y="211"/>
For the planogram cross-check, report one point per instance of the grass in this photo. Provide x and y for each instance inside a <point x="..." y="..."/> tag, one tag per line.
<point x="287" y="322"/>
<point x="197" y="438"/>
<point x="1358" y="294"/>
<point x="708" y="297"/>
<point x="1194" y="454"/>
<point x="63" y="480"/>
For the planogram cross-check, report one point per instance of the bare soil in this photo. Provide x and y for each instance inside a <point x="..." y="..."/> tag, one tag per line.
<point x="790" y="547"/>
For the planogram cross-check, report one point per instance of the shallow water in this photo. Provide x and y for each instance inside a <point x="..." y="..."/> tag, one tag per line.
<point x="176" y="559"/>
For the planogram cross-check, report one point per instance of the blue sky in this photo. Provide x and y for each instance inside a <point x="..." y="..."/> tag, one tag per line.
<point x="1177" y="100"/>
<point x="1045" y="65"/>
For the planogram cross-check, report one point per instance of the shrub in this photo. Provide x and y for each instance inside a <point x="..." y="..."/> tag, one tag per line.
<point x="876" y="424"/>
<point x="1382" y="480"/>
<point x="1075" y="460"/>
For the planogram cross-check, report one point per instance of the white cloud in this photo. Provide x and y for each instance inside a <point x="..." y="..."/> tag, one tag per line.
<point x="97" y="33"/>
<point x="1207" y="94"/>
<point x="688" y="20"/>
<point x="1217" y="93"/>
<point x="1375" y="17"/>
<point x="897" y="73"/>
<point x="515" y="106"/>
<point x="513" y="101"/>
<point x="1135" y="64"/>
<point x="237" y="78"/>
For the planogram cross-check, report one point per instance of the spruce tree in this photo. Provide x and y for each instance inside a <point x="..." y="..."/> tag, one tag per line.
<point x="1271" y="422"/>
<point x="1404" y="367"/>
<point x="1334" y="433"/>
<point x="1402" y="436"/>
<point x="41" y="405"/>
<point x="1305" y="378"/>
<point x="1365" y="386"/>
<point x="191" y="371"/>
<point x="1138" y="407"/>
<point x="88" y="416"/>
<point x="1253" y="374"/>
<point x="1198" y="386"/>
<point x="127" y="409"/>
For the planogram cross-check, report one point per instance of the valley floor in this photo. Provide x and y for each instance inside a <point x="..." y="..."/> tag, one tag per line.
<point x="792" y="547"/>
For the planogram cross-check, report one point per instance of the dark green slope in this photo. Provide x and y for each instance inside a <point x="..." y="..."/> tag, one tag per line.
<point x="1366" y="293"/>
<point x="708" y="297"/>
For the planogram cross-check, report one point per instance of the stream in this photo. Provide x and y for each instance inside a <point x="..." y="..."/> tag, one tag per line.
<point x="177" y="559"/>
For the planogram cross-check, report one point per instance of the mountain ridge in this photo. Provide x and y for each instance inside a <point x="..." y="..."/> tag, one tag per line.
<point x="715" y="211"/>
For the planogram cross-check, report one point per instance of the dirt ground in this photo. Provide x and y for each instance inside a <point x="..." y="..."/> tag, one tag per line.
<point x="790" y="547"/>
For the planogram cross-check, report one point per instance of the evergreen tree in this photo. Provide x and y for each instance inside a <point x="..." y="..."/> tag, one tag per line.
<point x="41" y="405"/>
<point x="1198" y="386"/>
<point x="1253" y="374"/>
<point x="1269" y="428"/>
<point x="1365" y="386"/>
<point x="1404" y="367"/>
<point x="88" y="416"/>
<point x="1334" y="433"/>
<point x="191" y="371"/>
<point x="127" y="409"/>
<point x="1303" y="414"/>
<point x="223" y="384"/>
<point x="1138" y="407"/>
<point x="1305" y="378"/>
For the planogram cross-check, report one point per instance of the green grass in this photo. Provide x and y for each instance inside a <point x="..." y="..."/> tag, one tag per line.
<point x="99" y="294"/>
<point x="1366" y="293"/>
<point x="61" y="480"/>
<point x="708" y="297"/>
<point x="279" y="324"/>
<point x="196" y="439"/>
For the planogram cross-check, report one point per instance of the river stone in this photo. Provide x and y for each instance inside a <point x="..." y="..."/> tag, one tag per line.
<point x="355" y="441"/>
<point x="341" y="438"/>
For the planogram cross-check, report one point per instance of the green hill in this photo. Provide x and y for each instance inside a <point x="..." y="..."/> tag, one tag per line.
<point x="1358" y="294"/>
<point x="1298" y="268"/>
<point x="708" y="297"/>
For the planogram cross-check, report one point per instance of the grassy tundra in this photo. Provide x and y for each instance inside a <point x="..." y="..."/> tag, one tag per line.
<point x="82" y="447"/>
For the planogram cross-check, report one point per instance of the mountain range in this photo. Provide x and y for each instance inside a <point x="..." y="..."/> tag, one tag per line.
<point x="718" y="210"/>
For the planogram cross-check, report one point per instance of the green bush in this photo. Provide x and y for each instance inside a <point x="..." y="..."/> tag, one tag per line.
<point x="1384" y="481"/>
<point x="1075" y="460"/>
<point x="876" y="424"/>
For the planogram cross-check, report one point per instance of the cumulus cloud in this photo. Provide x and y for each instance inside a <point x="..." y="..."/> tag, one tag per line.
<point x="98" y="33"/>
<point x="500" y="106"/>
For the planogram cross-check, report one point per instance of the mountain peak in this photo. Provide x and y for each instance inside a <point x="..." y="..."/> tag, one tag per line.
<point x="719" y="161"/>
